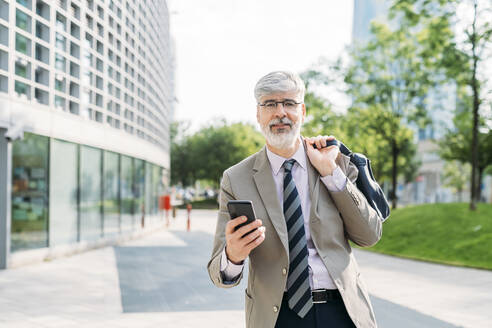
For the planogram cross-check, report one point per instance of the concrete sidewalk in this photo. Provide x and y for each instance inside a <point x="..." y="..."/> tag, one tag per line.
<point x="161" y="280"/>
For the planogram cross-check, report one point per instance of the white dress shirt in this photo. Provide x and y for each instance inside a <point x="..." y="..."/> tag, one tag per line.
<point x="318" y="274"/>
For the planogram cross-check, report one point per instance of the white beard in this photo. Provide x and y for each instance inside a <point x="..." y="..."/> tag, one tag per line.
<point x="284" y="139"/>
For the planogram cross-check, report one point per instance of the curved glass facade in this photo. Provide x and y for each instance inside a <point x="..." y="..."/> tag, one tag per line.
<point x="65" y="193"/>
<point x="91" y="83"/>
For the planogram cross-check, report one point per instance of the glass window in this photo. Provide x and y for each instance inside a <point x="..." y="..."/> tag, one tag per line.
<point x="23" y="21"/>
<point x="126" y="192"/>
<point x="111" y="193"/>
<point x="25" y="3"/>
<point x="99" y="65"/>
<point x="4" y="10"/>
<point x="42" y="76"/>
<point x="75" y="10"/>
<point x="75" y="30"/>
<point x="43" y="10"/>
<point x="73" y="107"/>
<point x="60" y="103"/>
<point x="139" y="189"/>
<point x="74" y="50"/>
<point x="90" y="193"/>
<point x="148" y="189"/>
<point x="74" y="89"/>
<point x="42" y="54"/>
<point x="23" y="68"/>
<point x="99" y="82"/>
<point x="4" y="84"/>
<point x="22" y="44"/>
<point x="22" y="89"/>
<point x="41" y="96"/>
<point x="30" y="193"/>
<point x="42" y="31"/>
<point x="157" y="188"/>
<point x="61" y="22"/>
<point x="4" y="35"/>
<point x="74" y="70"/>
<point x="99" y="100"/>
<point x="60" y="83"/>
<point x="63" y="192"/>
<point x="99" y="117"/>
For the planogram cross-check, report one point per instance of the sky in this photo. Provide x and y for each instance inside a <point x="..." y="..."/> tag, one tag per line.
<point x="223" y="47"/>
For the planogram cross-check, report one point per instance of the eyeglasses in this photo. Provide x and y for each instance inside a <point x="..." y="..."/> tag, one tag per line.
<point x="288" y="104"/>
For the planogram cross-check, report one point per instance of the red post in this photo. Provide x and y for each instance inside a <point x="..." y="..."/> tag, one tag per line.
<point x="165" y="204"/>
<point x="188" y="222"/>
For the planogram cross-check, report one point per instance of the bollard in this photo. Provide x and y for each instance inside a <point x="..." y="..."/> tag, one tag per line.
<point x="188" y="222"/>
<point x="143" y="216"/>
<point x="174" y="212"/>
<point x="166" y="204"/>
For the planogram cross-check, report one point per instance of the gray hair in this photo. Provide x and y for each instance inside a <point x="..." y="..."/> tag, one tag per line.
<point x="279" y="81"/>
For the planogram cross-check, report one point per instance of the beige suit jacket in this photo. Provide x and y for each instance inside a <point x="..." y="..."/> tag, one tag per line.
<point x="335" y="218"/>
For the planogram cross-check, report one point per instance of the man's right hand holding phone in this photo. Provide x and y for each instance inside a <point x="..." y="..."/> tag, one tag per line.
<point x="238" y="244"/>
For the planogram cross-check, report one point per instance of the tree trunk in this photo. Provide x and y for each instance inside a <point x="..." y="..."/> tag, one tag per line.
<point x="394" y="173"/>
<point x="479" y="184"/>
<point x="476" y="104"/>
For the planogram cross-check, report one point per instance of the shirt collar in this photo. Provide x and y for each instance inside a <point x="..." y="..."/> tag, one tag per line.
<point x="276" y="161"/>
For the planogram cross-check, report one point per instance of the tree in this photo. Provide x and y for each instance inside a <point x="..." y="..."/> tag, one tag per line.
<point x="320" y="117"/>
<point x="388" y="75"/>
<point x="456" y="144"/>
<point x="182" y="171"/>
<point x="462" y="56"/>
<point x="456" y="175"/>
<point x="219" y="146"/>
<point x="359" y="128"/>
<point x="369" y="131"/>
<point x="205" y="154"/>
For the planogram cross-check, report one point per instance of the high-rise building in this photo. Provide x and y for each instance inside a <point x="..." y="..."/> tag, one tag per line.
<point x="90" y="84"/>
<point x="366" y="11"/>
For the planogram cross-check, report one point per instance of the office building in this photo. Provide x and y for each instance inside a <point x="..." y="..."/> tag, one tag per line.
<point x="89" y="84"/>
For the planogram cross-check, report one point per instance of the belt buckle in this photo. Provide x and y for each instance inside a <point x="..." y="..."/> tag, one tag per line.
<point x="318" y="292"/>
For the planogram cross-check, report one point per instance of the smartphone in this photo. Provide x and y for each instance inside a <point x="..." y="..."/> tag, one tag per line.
<point x="239" y="208"/>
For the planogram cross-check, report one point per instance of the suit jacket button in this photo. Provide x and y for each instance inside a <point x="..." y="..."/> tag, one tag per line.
<point x="275" y="309"/>
<point x="284" y="271"/>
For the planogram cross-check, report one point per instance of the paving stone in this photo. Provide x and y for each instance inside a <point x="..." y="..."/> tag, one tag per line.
<point x="161" y="280"/>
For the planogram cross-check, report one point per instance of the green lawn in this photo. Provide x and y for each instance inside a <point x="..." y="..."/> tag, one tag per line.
<point x="445" y="233"/>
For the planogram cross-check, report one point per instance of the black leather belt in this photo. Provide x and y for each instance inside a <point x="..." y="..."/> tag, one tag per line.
<point x="325" y="295"/>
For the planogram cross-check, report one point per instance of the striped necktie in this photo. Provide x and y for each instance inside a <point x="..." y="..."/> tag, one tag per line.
<point x="298" y="289"/>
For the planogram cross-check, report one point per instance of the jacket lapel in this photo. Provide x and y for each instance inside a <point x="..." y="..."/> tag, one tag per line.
<point x="266" y="188"/>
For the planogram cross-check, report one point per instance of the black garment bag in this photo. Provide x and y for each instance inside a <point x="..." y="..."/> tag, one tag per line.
<point x="365" y="180"/>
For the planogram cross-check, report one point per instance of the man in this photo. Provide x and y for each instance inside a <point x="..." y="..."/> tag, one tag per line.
<point x="301" y="269"/>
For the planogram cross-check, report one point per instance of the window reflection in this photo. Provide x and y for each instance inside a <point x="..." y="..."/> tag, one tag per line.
<point x="90" y="193"/>
<point x="139" y="190"/>
<point x="127" y="197"/>
<point x="111" y="194"/>
<point x="93" y="193"/>
<point x="63" y="192"/>
<point x="29" y="193"/>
